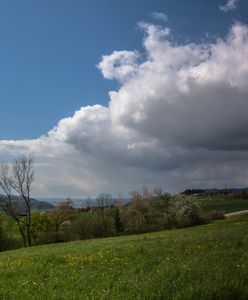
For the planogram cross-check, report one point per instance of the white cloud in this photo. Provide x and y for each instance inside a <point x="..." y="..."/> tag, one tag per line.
<point x="179" y="119"/>
<point x="159" y="16"/>
<point x="119" y="65"/>
<point x="230" y="5"/>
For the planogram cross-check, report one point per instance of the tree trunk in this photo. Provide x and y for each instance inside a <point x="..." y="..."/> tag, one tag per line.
<point x="22" y="233"/>
<point x="28" y="228"/>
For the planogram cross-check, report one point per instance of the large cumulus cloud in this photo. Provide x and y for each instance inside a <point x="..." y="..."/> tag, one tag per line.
<point x="179" y="119"/>
<point x="188" y="95"/>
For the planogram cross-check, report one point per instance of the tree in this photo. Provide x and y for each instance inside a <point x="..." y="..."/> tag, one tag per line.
<point x="104" y="200"/>
<point x="41" y="224"/>
<point x="119" y="226"/>
<point x="17" y="178"/>
<point x="61" y="213"/>
<point x="139" y="212"/>
<point x="187" y="210"/>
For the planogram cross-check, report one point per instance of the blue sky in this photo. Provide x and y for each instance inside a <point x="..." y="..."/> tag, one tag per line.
<point x="49" y="51"/>
<point x="110" y="96"/>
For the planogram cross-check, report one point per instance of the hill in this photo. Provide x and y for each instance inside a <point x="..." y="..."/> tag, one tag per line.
<point x="202" y="262"/>
<point x="222" y="203"/>
<point x="78" y="203"/>
<point x="36" y="205"/>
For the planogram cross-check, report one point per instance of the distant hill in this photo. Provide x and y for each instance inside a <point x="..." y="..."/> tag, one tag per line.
<point x="36" y="205"/>
<point x="76" y="202"/>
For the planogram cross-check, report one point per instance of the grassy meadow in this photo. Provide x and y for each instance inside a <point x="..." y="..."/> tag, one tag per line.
<point x="223" y="203"/>
<point x="202" y="262"/>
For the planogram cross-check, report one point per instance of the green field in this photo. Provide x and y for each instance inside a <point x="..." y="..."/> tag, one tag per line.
<point x="223" y="203"/>
<point x="202" y="262"/>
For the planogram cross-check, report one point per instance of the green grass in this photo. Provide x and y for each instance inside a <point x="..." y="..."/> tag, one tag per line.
<point x="217" y="202"/>
<point x="223" y="203"/>
<point x="203" y="262"/>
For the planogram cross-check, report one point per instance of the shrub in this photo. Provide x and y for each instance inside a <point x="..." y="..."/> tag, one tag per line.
<point x="187" y="211"/>
<point x="213" y="215"/>
<point x="7" y="243"/>
<point x="41" y="224"/>
<point x="52" y="237"/>
<point x="93" y="226"/>
<point x="2" y="239"/>
<point x="83" y="227"/>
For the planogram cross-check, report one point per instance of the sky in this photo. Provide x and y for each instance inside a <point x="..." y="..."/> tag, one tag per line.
<point x="109" y="96"/>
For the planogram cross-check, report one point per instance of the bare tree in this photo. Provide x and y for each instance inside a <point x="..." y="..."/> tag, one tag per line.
<point x="140" y="205"/>
<point x="104" y="200"/>
<point x="17" y="178"/>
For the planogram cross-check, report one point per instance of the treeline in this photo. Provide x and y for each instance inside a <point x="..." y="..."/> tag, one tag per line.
<point x="147" y="211"/>
<point x="241" y="193"/>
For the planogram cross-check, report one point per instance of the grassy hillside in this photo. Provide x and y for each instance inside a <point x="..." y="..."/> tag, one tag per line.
<point x="224" y="203"/>
<point x="203" y="262"/>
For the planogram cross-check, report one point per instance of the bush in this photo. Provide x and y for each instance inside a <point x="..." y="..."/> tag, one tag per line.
<point x="83" y="227"/>
<point x="213" y="215"/>
<point x="182" y="212"/>
<point x="93" y="226"/>
<point x="13" y="243"/>
<point x="41" y="224"/>
<point x="103" y="226"/>
<point x="2" y="239"/>
<point x="7" y="243"/>
<point x="51" y="237"/>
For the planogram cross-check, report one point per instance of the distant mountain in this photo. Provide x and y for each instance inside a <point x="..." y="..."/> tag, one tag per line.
<point x="36" y="205"/>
